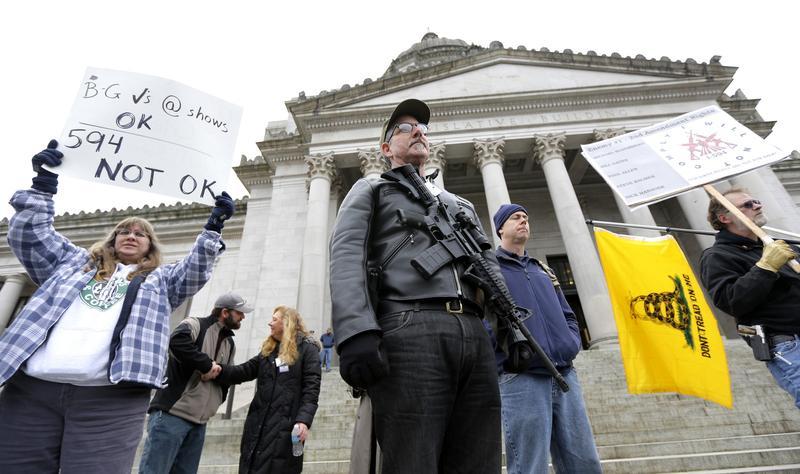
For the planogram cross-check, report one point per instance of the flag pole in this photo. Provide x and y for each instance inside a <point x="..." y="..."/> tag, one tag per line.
<point x="781" y="231"/>
<point x="593" y="222"/>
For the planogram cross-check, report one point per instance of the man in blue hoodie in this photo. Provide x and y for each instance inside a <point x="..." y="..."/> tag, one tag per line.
<point x="537" y="415"/>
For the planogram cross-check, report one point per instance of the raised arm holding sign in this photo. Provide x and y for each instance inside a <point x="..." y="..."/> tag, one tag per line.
<point x="78" y="361"/>
<point x="747" y="279"/>
<point x="758" y="231"/>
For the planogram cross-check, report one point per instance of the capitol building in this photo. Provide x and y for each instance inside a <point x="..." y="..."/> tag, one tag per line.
<point x="507" y="125"/>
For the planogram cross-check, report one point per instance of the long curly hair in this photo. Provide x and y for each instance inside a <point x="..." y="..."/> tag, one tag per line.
<point x="292" y="326"/>
<point x="104" y="258"/>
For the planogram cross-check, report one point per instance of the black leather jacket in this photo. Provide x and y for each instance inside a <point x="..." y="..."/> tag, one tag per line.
<point x="367" y="235"/>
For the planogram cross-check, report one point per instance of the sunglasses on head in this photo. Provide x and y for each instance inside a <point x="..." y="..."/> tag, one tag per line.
<point x="750" y="204"/>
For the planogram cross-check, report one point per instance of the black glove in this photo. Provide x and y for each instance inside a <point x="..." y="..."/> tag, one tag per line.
<point x="222" y="211"/>
<point x="362" y="360"/>
<point x="46" y="181"/>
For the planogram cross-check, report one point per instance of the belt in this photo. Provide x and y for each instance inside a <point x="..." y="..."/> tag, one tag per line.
<point x="452" y="306"/>
<point x="776" y="339"/>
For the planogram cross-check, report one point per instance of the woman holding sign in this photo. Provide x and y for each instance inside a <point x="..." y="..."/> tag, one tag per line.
<point x="79" y="360"/>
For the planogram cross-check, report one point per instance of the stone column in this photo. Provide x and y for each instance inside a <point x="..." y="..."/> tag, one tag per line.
<point x="313" y="268"/>
<point x="435" y="162"/>
<point x="489" y="158"/>
<point x="641" y="216"/>
<point x="779" y="207"/>
<point x="9" y="295"/>
<point x="583" y="259"/>
<point x="373" y="164"/>
<point x="694" y="205"/>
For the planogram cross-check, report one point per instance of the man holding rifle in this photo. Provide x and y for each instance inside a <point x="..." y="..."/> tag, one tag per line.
<point x="750" y="281"/>
<point x="537" y="417"/>
<point x="409" y="327"/>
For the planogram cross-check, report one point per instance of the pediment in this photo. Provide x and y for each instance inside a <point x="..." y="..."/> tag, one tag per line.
<point x="508" y="79"/>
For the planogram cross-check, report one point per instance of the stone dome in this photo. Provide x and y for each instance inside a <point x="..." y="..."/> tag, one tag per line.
<point x="429" y="51"/>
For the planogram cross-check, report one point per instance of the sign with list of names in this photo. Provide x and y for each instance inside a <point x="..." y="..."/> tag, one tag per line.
<point x="151" y="134"/>
<point x="674" y="156"/>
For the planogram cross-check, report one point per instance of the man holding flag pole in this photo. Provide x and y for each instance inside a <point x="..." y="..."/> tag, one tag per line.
<point x="750" y="280"/>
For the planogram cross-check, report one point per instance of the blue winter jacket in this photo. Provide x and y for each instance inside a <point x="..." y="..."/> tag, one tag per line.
<point x="552" y="322"/>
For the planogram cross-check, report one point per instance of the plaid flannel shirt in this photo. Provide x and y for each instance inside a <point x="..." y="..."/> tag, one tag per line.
<point x="58" y="267"/>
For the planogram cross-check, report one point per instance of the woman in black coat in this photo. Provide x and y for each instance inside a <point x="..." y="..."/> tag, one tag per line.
<point x="287" y="392"/>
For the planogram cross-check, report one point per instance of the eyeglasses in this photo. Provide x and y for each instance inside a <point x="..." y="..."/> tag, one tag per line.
<point x="127" y="232"/>
<point x="750" y="204"/>
<point x="407" y="127"/>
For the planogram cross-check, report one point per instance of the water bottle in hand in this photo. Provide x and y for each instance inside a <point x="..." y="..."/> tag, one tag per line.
<point x="297" y="445"/>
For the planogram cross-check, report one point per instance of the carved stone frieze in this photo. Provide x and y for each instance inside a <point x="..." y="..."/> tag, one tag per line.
<point x="336" y="187"/>
<point x="600" y="135"/>
<point x="488" y="151"/>
<point x="548" y="147"/>
<point x="372" y="162"/>
<point x="436" y="158"/>
<point x="321" y="166"/>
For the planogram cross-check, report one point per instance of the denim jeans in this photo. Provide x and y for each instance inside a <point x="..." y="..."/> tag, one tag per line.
<point x="47" y="426"/>
<point x="173" y="445"/>
<point x="438" y="410"/>
<point x="538" y="417"/>
<point x="325" y="358"/>
<point x="787" y="375"/>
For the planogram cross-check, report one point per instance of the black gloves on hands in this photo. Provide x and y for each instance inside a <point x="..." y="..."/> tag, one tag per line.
<point x="222" y="211"/>
<point x="362" y="360"/>
<point x="46" y="181"/>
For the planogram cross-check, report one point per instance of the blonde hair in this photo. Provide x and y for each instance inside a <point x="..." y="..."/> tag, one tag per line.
<point x="103" y="256"/>
<point x="292" y="326"/>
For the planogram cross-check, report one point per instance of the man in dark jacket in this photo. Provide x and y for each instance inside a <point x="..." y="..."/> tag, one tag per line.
<point x="749" y="281"/>
<point x="537" y="416"/>
<point x="417" y="345"/>
<point x="176" y="425"/>
<point x="327" y="341"/>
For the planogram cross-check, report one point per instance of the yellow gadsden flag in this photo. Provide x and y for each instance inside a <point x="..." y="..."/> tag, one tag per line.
<point x="668" y="336"/>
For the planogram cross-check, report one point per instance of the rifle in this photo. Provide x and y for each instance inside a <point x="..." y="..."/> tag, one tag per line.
<point x="459" y="238"/>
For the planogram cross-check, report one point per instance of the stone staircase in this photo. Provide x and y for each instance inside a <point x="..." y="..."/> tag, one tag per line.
<point x="654" y="433"/>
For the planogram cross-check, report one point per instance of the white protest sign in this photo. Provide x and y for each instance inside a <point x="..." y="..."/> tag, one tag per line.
<point x="151" y="134"/>
<point x="668" y="158"/>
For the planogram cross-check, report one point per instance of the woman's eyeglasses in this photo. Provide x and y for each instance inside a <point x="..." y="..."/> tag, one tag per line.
<point x="127" y="232"/>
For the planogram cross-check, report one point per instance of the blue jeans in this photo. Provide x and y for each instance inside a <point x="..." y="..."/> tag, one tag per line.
<point x="173" y="445"/>
<point x="438" y="410"/>
<point x="787" y="375"/>
<point x="325" y="359"/>
<point x="538" y="417"/>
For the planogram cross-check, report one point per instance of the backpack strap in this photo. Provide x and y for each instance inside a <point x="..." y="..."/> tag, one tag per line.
<point x="550" y="272"/>
<point x="124" y="315"/>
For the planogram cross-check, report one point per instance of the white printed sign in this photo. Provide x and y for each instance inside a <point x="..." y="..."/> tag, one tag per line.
<point x="151" y="134"/>
<point x="674" y="156"/>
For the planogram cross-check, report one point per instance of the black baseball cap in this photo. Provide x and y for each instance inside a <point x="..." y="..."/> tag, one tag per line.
<point x="413" y="107"/>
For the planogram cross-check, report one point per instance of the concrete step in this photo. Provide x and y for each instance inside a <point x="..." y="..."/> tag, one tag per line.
<point x="694" y="446"/>
<point x="699" y="432"/>
<point x="681" y="462"/>
<point x="648" y="433"/>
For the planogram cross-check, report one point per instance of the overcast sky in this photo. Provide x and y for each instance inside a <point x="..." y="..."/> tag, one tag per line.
<point x="258" y="55"/>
